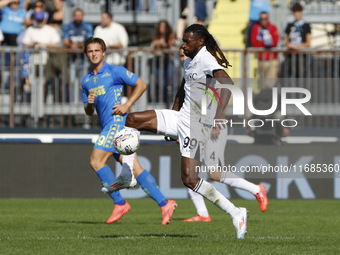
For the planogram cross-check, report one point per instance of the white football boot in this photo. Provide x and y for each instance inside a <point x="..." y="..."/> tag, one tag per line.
<point x="120" y="183"/>
<point x="240" y="223"/>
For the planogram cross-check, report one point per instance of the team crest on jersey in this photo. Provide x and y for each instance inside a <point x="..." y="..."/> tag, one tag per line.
<point x="95" y="80"/>
<point x="129" y="74"/>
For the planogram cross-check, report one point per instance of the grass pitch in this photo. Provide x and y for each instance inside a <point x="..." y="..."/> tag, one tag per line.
<point x="77" y="226"/>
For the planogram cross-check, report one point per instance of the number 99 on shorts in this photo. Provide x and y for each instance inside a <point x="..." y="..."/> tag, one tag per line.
<point x="190" y="143"/>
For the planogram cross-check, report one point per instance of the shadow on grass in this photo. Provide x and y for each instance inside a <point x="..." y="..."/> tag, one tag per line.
<point x="153" y="236"/>
<point x="172" y="235"/>
<point x="81" y="222"/>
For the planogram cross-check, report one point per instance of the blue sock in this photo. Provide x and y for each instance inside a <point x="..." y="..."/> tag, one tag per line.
<point x="107" y="178"/>
<point x="149" y="185"/>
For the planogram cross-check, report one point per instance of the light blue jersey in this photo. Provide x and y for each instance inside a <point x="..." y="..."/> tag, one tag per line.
<point x="108" y="86"/>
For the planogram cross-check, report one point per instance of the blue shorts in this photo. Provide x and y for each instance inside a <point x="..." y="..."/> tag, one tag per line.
<point x="105" y="140"/>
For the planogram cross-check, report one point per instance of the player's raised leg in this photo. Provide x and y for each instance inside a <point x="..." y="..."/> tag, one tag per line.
<point x="191" y="180"/>
<point x="98" y="163"/>
<point x="142" y="121"/>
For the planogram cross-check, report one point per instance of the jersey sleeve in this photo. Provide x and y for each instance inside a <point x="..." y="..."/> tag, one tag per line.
<point x="125" y="77"/>
<point x="210" y="64"/>
<point x="85" y="95"/>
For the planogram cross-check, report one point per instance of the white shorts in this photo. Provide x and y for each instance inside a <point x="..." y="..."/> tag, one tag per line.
<point x="169" y="123"/>
<point x="215" y="149"/>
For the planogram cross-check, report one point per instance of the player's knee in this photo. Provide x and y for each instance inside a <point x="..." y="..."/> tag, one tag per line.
<point x="95" y="164"/>
<point x="189" y="182"/>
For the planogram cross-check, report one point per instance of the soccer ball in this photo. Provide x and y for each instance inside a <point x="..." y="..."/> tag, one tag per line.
<point x="126" y="141"/>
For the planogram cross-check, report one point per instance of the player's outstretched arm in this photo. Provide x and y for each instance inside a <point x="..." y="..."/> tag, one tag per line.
<point x="138" y="90"/>
<point x="179" y="99"/>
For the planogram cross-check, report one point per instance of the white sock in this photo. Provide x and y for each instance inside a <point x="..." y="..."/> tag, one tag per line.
<point x="236" y="182"/>
<point x="198" y="201"/>
<point x="127" y="166"/>
<point x="209" y="192"/>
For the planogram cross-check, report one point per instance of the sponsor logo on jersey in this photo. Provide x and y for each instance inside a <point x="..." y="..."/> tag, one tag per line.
<point x="106" y="75"/>
<point x="100" y="90"/>
<point x="190" y="77"/>
<point x="129" y="74"/>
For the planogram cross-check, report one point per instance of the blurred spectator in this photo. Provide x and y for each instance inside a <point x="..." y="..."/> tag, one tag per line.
<point x="298" y="36"/>
<point x="298" y="33"/>
<point x="200" y="12"/>
<point x="50" y="5"/>
<point x="255" y="9"/>
<point x="266" y="35"/>
<point x="1" y="37"/>
<point x="164" y="39"/>
<point x="114" y="36"/>
<point x="74" y="36"/>
<point x="199" y="18"/>
<point x="13" y="17"/>
<point x="150" y="5"/>
<point x="56" y="14"/>
<point x="41" y="36"/>
<point x="38" y="6"/>
<point x="76" y="32"/>
<point x="337" y="35"/>
<point x="182" y="24"/>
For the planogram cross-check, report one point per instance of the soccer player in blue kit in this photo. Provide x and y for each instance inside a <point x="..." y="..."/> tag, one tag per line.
<point x="102" y="91"/>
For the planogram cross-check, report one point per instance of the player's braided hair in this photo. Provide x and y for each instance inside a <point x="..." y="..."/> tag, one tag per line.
<point x="209" y="42"/>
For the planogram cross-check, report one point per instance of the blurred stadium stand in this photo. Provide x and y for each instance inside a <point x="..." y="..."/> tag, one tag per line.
<point x="320" y="11"/>
<point x="59" y="105"/>
<point x="323" y="15"/>
<point x="126" y="11"/>
<point x="62" y="106"/>
<point x="137" y="22"/>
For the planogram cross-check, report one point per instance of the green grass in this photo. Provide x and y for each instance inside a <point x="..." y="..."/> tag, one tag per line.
<point x="77" y="226"/>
